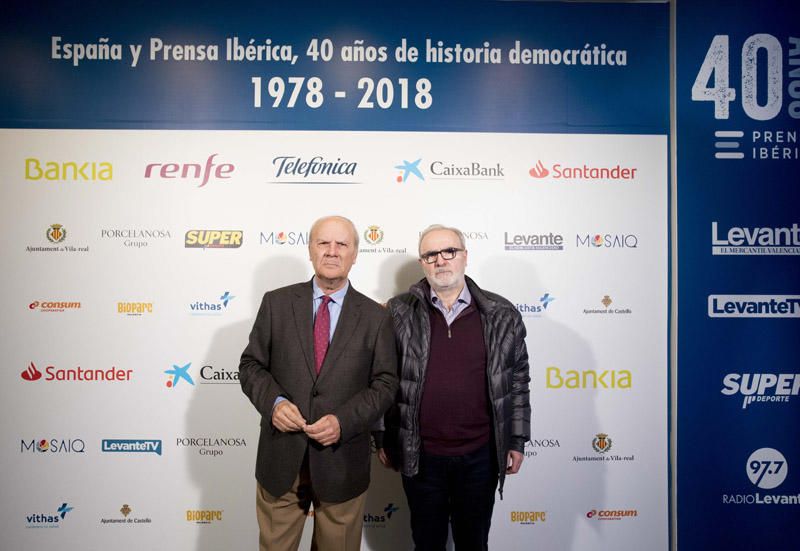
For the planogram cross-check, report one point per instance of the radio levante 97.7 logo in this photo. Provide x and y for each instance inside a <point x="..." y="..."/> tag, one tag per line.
<point x="767" y="469"/>
<point x="762" y="57"/>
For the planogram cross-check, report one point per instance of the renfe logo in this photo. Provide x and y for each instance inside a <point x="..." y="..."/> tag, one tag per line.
<point x="171" y="171"/>
<point x="754" y="306"/>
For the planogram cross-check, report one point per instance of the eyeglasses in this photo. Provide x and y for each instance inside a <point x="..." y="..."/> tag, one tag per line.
<point x="447" y="254"/>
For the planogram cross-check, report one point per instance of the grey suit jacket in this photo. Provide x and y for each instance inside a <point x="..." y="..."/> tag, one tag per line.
<point x="357" y="383"/>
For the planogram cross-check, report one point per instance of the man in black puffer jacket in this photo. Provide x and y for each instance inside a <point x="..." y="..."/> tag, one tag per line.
<point x="462" y="415"/>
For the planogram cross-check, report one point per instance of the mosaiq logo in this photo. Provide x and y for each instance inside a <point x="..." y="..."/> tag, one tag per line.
<point x="559" y="171"/>
<point x="199" y="173"/>
<point x="52" y="446"/>
<point x="284" y="238"/>
<point x="761" y="388"/>
<point x="607" y="240"/>
<point x="313" y="170"/>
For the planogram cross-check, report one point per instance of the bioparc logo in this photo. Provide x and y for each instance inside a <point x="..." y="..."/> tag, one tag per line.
<point x="284" y="238"/>
<point x="374" y="519"/>
<point x="131" y="446"/>
<point x="742" y="240"/>
<point x="602" y="445"/>
<point x="761" y="388"/>
<point x="754" y="306"/>
<point x="290" y="169"/>
<point x="134" y="308"/>
<point x="582" y="172"/>
<point x="52" y="446"/>
<point x="48" y="520"/>
<point x="213" y="239"/>
<point x="79" y="374"/>
<point x="528" y="518"/>
<point x="213" y="308"/>
<point x="125" y="512"/>
<point x="612" y="514"/>
<point x="56" y="234"/>
<point x="199" y="173"/>
<point x="204" y="516"/>
<point x="766" y="468"/>
<point x="536" y="309"/>
<point x="54" y="305"/>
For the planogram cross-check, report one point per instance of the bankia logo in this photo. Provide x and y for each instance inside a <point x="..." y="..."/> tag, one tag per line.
<point x="755" y="241"/>
<point x="535" y="309"/>
<point x="284" y="238"/>
<point x="211" y="446"/>
<point x="53" y="305"/>
<point x="135" y="238"/>
<point x="533" y="241"/>
<point x="114" y="374"/>
<point x="754" y="306"/>
<point x="56" y="234"/>
<point x="212" y="308"/>
<point x="125" y="512"/>
<point x="766" y="468"/>
<point x="213" y="239"/>
<point x="179" y="373"/>
<point x="607" y="240"/>
<point x="200" y="173"/>
<point x="573" y="379"/>
<point x="48" y="520"/>
<point x="52" y="446"/>
<point x="408" y="169"/>
<point x="289" y="169"/>
<point x="582" y="172"/>
<point x="68" y="171"/>
<point x="131" y="446"/>
<point x="761" y="388"/>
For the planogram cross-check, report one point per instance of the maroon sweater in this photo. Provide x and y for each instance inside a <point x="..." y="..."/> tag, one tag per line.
<point x="454" y="413"/>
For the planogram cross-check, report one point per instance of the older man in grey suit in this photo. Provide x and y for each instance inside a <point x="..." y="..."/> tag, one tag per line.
<point x="320" y="368"/>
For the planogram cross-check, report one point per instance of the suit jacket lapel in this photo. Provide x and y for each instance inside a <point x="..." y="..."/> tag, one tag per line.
<point x="347" y="324"/>
<point x="302" y="308"/>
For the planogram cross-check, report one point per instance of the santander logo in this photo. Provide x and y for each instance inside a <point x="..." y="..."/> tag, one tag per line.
<point x="539" y="171"/>
<point x="31" y="374"/>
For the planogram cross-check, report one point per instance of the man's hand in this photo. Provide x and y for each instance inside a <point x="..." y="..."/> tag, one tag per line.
<point x="326" y="430"/>
<point x="514" y="462"/>
<point x="287" y="418"/>
<point x="383" y="457"/>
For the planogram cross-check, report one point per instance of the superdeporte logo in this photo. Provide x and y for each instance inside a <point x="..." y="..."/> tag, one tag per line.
<point x="213" y="239"/>
<point x="761" y="387"/>
<point x="756" y="240"/>
<point x="584" y="171"/>
<point x="754" y="306"/>
<point x="194" y="172"/>
<point x="48" y="520"/>
<point x="131" y="446"/>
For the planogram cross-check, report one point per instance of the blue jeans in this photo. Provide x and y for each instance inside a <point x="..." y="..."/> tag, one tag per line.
<point x="458" y="490"/>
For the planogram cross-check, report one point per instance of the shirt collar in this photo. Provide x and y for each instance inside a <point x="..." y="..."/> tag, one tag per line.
<point x="464" y="296"/>
<point x="337" y="297"/>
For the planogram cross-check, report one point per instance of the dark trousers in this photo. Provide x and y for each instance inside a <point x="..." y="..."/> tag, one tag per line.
<point x="458" y="490"/>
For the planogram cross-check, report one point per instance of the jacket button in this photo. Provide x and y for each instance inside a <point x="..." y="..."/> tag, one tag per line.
<point x="315" y="393"/>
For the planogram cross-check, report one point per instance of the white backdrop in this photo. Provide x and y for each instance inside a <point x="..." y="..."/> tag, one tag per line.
<point x="608" y="315"/>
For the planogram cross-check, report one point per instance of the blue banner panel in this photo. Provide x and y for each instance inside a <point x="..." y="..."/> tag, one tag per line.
<point x="443" y="66"/>
<point x="738" y="101"/>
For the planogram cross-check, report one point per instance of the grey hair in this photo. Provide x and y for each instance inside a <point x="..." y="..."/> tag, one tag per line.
<point x="342" y="218"/>
<point x="435" y="227"/>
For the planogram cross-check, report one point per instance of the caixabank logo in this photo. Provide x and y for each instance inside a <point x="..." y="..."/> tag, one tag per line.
<point x="76" y="374"/>
<point x="195" y="173"/>
<point x="584" y="172"/>
<point x="474" y="170"/>
<point x="763" y="389"/>
<point x="213" y="239"/>
<point x="767" y="469"/>
<point x="52" y="446"/>
<point x="48" y="520"/>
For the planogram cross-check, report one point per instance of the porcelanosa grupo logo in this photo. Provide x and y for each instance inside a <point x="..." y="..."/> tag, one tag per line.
<point x="761" y="388"/>
<point x="582" y="172"/>
<point x="535" y="446"/>
<point x="766" y="468"/>
<point x="193" y="172"/>
<point x="210" y="446"/>
<point x="290" y="169"/>
<point x="79" y="374"/>
<point x="755" y="241"/>
<point x="135" y="238"/>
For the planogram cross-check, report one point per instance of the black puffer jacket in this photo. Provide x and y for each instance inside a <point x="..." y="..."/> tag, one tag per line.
<point x="507" y="372"/>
